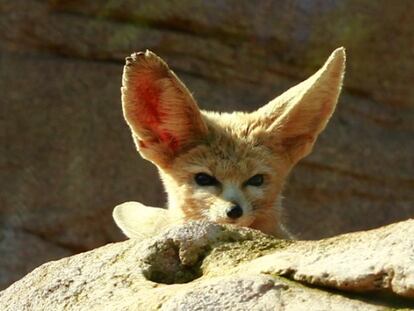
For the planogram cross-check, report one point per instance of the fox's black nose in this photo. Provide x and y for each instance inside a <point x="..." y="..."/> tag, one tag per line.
<point x="234" y="212"/>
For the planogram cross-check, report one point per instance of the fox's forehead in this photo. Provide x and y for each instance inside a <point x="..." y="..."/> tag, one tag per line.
<point x="226" y="161"/>
<point x="231" y="151"/>
<point x="237" y="125"/>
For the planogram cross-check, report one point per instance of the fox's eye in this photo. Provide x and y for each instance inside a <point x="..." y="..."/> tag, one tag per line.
<point x="203" y="179"/>
<point x="256" y="180"/>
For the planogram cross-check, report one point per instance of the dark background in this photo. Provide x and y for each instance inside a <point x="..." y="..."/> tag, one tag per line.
<point x="67" y="158"/>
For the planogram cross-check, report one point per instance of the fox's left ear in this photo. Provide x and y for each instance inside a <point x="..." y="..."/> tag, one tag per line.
<point x="294" y="120"/>
<point x="163" y="116"/>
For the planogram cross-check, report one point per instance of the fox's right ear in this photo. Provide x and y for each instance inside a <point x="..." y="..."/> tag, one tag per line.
<point x="163" y="116"/>
<point x="294" y="120"/>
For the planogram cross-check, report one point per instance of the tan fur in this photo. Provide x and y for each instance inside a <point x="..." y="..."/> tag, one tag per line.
<point x="170" y="131"/>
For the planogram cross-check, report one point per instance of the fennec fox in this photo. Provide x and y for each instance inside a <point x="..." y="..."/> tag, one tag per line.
<point x="224" y="167"/>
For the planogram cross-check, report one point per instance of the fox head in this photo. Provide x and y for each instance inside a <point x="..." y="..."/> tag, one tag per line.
<point x="225" y="167"/>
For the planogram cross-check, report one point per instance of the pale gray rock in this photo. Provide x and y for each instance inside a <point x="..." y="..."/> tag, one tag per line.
<point x="374" y="260"/>
<point x="261" y="293"/>
<point x="206" y="266"/>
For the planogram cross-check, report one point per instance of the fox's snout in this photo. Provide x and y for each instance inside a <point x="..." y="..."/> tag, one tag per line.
<point x="220" y="201"/>
<point x="228" y="213"/>
<point x="234" y="212"/>
<point x="234" y="203"/>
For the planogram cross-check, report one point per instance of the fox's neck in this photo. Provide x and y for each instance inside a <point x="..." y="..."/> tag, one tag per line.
<point x="175" y="206"/>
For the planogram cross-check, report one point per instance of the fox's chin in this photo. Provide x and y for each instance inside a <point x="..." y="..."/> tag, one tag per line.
<point x="245" y="221"/>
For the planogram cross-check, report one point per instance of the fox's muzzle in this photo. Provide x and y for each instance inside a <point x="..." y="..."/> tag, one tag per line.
<point x="234" y="212"/>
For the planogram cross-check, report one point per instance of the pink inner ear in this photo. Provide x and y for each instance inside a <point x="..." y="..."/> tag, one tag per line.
<point x="149" y="97"/>
<point x="150" y="115"/>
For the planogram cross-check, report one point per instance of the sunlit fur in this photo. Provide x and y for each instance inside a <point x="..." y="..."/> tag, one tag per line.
<point x="232" y="153"/>
<point x="171" y="131"/>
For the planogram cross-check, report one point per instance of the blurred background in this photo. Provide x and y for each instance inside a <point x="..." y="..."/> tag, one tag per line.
<point x="67" y="157"/>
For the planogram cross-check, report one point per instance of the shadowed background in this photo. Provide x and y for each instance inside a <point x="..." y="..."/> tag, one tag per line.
<point x="67" y="158"/>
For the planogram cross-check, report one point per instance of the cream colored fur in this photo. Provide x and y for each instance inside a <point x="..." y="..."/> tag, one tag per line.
<point x="170" y="131"/>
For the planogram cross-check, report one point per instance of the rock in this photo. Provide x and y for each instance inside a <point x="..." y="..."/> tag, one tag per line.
<point x="14" y="242"/>
<point x="206" y="266"/>
<point x="380" y="259"/>
<point x="258" y="292"/>
<point x="68" y="158"/>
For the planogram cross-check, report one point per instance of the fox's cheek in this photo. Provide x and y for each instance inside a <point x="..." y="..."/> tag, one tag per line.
<point x="203" y="200"/>
<point x="255" y="193"/>
<point x="204" y="193"/>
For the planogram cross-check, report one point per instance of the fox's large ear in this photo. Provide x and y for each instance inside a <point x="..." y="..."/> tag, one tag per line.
<point x="162" y="114"/>
<point x="139" y="221"/>
<point x="294" y="120"/>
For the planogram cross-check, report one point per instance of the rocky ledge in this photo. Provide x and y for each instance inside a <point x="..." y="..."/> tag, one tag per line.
<point x="206" y="266"/>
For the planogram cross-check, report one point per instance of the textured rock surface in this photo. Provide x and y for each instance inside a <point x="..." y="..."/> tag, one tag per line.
<point x="367" y="261"/>
<point x="204" y="266"/>
<point x="68" y="158"/>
